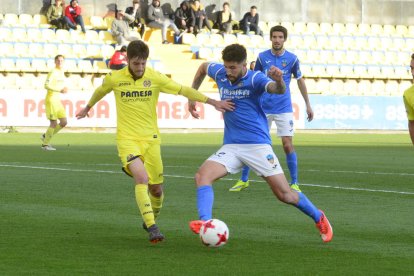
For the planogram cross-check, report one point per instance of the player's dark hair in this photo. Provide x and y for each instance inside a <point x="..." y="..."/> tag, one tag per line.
<point x="253" y="7"/>
<point x="279" y="28"/>
<point x="58" y="56"/>
<point x="234" y="53"/>
<point x="412" y="56"/>
<point x="137" y="49"/>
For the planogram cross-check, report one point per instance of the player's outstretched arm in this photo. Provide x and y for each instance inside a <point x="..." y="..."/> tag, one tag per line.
<point x="278" y="86"/>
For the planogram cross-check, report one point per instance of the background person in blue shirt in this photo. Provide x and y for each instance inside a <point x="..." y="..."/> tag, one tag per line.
<point x="278" y="108"/>
<point x="246" y="136"/>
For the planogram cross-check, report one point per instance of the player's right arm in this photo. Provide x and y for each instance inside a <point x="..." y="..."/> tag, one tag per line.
<point x="99" y="93"/>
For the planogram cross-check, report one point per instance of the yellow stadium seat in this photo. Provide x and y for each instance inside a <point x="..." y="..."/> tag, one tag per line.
<point x="87" y="22"/>
<point x="11" y="19"/>
<point x="5" y="34"/>
<point x="38" y="82"/>
<point x="205" y="53"/>
<point x="23" y="65"/>
<point x="312" y="28"/>
<point x="325" y="28"/>
<point x="107" y="51"/>
<point x="389" y="30"/>
<point x="36" y="50"/>
<point x="79" y="50"/>
<point x="348" y="42"/>
<point x="402" y="72"/>
<point x="106" y="37"/>
<point x="7" y="64"/>
<point x="286" y="24"/>
<point x="364" y="29"/>
<point x="243" y="39"/>
<point x="229" y="39"/>
<point x="309" y="42"/>
<point x="386" y="43"/>
<point x="19" y="35"/>
<point x="188" y="38"/>
<point x="48" y="35"/>
<point x="387" y="71"/>
<point x="360" y="71"/>
<point x="404" y="85"/>
<point x="66" y="50"/>
<point x="21" y="49"/>
<point x="39" y="65"/>
<point x="256" y="41"/>
<point x="34" y="35"/>
<point x="378" y="57"/>
<point x="108" y="21"/>
<point x="100" y="66"/>
<point x="26" y="20"/>
<point x="338" y="29"/>
<point x="351" y="87"/>
<point x="375" y="43"/>
<point x="322" y="86"/>
<point x="216" y="40"/>
<point x="76" y="36"/>
<point x="346" y="70"/>
<point x="365" y="57"/>
<point x="374" y="71"/>
<point x="339" y="56"/>
<point x="6" y="49"/>
<point x="93" y="51"/>
<point x="40" y="21"/>
<point x="91" y="36"/>
<point x="63" y="35"/>
<point x="202" y="39"/>
<point x="377" y="88"/>
<point x="70" y="65"/>
<point x="85" y="83"/>
<point x="325" y="56"/>
<point x="85" y="66"/>
<point x="299" y="28"/>
<point x="336" y="87"/>
<point x="392" y="88"/>
<point x="350" y="29"/>
<point x="401" y="30"/>
<point x="398" y="44"/>
<point x="364" y="87"/>
<point x="98" y="23"/>
<point x="50" y="50"/>
<point x="361" y="43"/>
<point x="377" y="29"/>
<point x="332" y="71"/>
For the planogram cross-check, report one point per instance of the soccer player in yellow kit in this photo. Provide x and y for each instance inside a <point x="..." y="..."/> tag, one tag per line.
<point x="55" y="84"/>
<point x="136" y="90"/>
<point x="409" y="103"/>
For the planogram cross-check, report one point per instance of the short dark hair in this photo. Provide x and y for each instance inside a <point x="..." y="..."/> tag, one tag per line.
<point x="253" y="7"/>
<point x="234" y="52"/>
<point x="279" y="28"/>
<point x="137" y="49"/>
<point x="58" y="56"/>
<point x="123" y="49"/>
<point x="412" y="56"/>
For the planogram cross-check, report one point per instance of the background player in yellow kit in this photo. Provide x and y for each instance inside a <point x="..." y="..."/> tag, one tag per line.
<point x="136" y="90"/>
<point x="409" y="103"/>
<point x="55" y="84"/>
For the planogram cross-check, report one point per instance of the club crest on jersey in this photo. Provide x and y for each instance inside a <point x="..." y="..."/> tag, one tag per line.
<point x="284" y="62"/>
<point x="240" y="84"/>
<point x="147" y="83"/>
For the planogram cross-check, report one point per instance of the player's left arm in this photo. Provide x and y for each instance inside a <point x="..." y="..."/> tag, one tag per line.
<point x="304" y="91"/>
<point x="277" y="86"/>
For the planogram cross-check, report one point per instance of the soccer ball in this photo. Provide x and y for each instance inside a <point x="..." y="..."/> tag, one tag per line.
<point x="214" y="233"/>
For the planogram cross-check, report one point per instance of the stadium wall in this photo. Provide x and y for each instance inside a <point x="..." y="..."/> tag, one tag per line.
<point x="330" y="11"/>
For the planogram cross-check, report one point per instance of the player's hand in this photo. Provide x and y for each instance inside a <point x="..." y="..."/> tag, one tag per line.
<point x="64" y="90"/>
<point x="83" y="113"/>
<point x="192" y="107"/>
<point x="223" y="106"/>
<point x="309" y="111"/>
<point x="275" y="73"/>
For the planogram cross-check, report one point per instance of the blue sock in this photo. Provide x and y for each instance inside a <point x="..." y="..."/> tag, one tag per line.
<point x="292" y="163"/>
<point x="245" y="174"/>
<point x="306" y="206"/>
<point x="205" y="199"/>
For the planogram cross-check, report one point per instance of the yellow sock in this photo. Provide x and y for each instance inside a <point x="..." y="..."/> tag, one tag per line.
<point x="144" y="204"/>
<point x="156" y="203"/>
<point x="57" y="129"/>
<point x="48" y="135"/>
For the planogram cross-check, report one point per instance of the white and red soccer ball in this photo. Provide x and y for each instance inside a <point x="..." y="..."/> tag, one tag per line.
<point x="214" y="233"/>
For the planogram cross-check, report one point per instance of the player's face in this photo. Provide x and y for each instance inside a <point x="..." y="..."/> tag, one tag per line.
<point x="59" y="62"/>
<point x="235" y="70"/>
<point x="412" y="67"/>
<point x="278" y="40"/>
<point x="137" y="66"/>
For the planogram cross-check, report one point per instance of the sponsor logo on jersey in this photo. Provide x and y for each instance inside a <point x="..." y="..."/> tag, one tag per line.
<point x="284" y="62"/>
<point x="136" y="94"/>
<point x="124" y="84"/>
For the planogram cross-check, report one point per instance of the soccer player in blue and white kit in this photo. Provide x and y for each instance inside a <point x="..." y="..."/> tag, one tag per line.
<point x="246" y="136"/>
<point x="278" y="108"/>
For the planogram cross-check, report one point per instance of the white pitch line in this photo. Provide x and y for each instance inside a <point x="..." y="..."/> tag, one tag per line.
<point x="191" y="177"/>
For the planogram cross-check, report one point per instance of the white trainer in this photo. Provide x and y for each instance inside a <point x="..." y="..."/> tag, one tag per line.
<point x="48" y="147"/>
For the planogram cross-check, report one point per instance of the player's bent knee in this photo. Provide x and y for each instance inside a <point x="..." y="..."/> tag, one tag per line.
<point x="155" y="190"/>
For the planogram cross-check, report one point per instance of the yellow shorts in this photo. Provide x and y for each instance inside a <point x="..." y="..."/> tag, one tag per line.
<point x="55" y="110"/>
<point x="409" y="105"/>
<point x="148" y="152"/>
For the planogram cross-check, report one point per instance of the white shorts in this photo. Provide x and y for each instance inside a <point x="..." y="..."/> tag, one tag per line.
<point x="284" y="123"/>
<point x="259" y="157"/>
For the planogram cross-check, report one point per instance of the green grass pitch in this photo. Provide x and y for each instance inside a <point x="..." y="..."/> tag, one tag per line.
<point x="73" y="211"/>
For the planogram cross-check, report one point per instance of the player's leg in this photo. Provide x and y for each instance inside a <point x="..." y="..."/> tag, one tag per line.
<point x="243" y="182"/>
<point x="62" y="123"/>
<point x="284" y="193"/>
<point x="411" y="130"/>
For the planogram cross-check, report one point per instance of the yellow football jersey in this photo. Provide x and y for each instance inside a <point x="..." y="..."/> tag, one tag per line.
<point x="136" y="101"/>
<point x="409" y="102"/>
<point x="54" y="83"/>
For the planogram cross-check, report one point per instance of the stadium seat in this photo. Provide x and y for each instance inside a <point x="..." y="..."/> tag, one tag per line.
<point x="87" y="22"/>
<point x="66" y="50"/>
<point x="108" y="21"/>
<point x="98" y="23"/>
<point x="243" y="39"/>
<point x="79" y="50"/>
<point x="404" y="85"/>
<point x="106" y="37"/>
<point x="401" y="30"/>
<point x="364" y="29"/>
<point x="93" y="51"/>
<point x="299" y="28"/>
<point x="346" y="70"/>
<point x="5" y="34"/>
<point x="389" y="30"/>
<point x="336" y="87"/>
<point x="48" y="35"/>
<point x="21" y="49"/>
<point x="338" y="29"/>
<point x="63" y="36"/>
<point x="50" y="50"/>
<point x="378" y="57"/>
<point x="402" y="72"/>
<point x="100" y="67"/>
<point x="75" y="81"/>
<point x="11" y="20"/>
<point x="339" y="56"/>
<point x="85" y="66"/>
<point x="350" y="29"/>
<point x="38" y="82"/>
<point x="26" y="20"/>
<point x="229" y="39"/>
<point x="71" y="65"/>
<point x="351" y="87"/>
<point x="323" y="42"/>
<point x="375" y="43"/>
<point x="392" y="88"/>
<point x="365" y="57"/>
<point x="36" y="50"/>
<point x="205" y="53"/>
<point x="360" y="71"/>
<point x="264" y="27"/>
<point x="9" y="81"/>
<point x="188" y="38"/>
<point x="387" y="71"/>
<point x="377" y="88"/>
<point x="256" y="41"/>
<point x="322" y="87"/>
<point x="23" y="65"/>
<point x="364" y="87"/>
<point x="325" y="28"/>
<point x="351" y="56"/>
<point x="309" y="41"/>
<point x="374" y="71"/>
<point x="19" y="35"/>
<point x="34" y="35"/>
<point x="312" y="28"/>
<point x="335" y="42"/>
<point x="348" y="42"/>
<point x="386" y="43"/>
<point x="216" y="40"/>
<point x="85" y="83"/>
<point x="310" y="85"/>
<point x="202" y="39"/>
<point x="306" y="70"/>
<point x="377" y="30"/>
<point x="25" y="81"/>
<point x="332" y="71"/>
<point x="286" y="24"/>
<point x="398" y="43"/>
<point x="361" y="43"/>
<point x="40" y="21"/>
<point x="319" y="70"/>
<point x="91" y="36"/>
<point x="7" y="64"/>
<point x="295" y="41"/>
<point x="107" y="51"/>
<point x="6" y="49"/>
<point x="39" y="65"/>
<point x="391" y="58"/>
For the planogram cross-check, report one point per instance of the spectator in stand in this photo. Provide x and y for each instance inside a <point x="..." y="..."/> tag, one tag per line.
<point x="119" y="59"/>
<point x="201" y="19"/>
<point x="135" y="11"/>
<point x="73" y="16"/>
<point x="54" y="15"/>
<point x="224" y="19"/>
<point x="184" y="17"/>
<point x="156" y="20"/>
<point x="250" y="22"/>
<point x="120" y="28"/>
